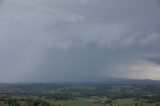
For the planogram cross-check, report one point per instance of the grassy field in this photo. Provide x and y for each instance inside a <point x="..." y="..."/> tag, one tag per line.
<point x="87" y="102"/>
<point x="79" y="95"/>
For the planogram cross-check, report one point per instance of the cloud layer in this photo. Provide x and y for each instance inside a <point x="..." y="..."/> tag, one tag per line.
<point x="79" y="40"/>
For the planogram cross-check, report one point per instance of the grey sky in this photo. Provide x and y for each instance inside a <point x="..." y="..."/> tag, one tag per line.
<point x="79" y="40"/>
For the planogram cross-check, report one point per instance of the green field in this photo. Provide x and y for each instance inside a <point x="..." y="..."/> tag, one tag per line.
<point x="79" y="94"/>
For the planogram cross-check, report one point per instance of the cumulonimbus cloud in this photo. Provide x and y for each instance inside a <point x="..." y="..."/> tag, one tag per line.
<point x="78" y="40"/>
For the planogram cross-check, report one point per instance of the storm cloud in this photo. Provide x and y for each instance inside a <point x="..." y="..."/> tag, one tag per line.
<point x="79" y="40"/>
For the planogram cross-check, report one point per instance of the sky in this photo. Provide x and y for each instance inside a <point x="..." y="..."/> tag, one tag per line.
<point x="79" y="40"/>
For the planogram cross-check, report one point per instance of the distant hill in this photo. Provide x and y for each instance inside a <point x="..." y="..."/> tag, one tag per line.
<point x="118" y="81"/>
<point x="106" y="81"/>
<point x="131" y="81"/>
